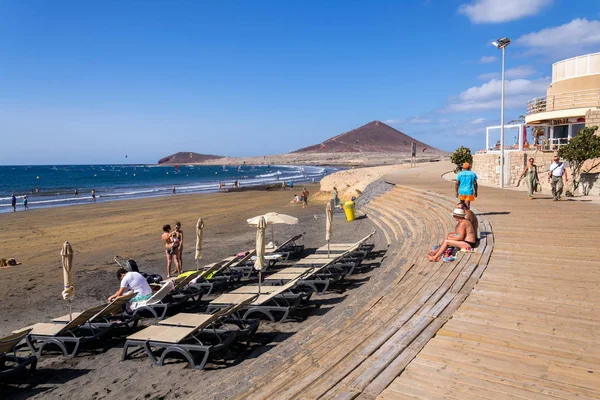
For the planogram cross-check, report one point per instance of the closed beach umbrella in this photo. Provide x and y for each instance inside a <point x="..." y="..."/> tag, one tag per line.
<point x="68" y="292"/>
<point x="329" y="224"/>
<point x="199" y="229"/>
<point x="259" y="264"/>
<point x="273" y="218"/>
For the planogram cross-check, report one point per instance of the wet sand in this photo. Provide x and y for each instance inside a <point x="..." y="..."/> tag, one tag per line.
<point x="132" y="228"/>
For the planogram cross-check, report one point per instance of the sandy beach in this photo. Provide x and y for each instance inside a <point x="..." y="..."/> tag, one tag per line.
<point x="132" y="228"/>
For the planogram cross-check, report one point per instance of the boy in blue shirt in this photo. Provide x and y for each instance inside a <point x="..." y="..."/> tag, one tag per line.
<point x="466" y="185"/>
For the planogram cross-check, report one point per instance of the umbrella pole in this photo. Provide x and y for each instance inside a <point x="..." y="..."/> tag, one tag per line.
<point x="272" y="235"/>
<point x="328" y="254"/>
<point x="259" y="279"/>
<point x="70" y="312"/>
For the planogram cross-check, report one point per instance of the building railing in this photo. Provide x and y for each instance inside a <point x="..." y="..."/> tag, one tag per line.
<point x="564" y="101"/>
<point x="575" y="67"/>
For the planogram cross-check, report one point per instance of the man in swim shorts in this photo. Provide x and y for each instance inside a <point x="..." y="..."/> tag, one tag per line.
<point x="462" y="237"/>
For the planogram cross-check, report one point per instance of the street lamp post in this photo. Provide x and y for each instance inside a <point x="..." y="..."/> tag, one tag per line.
<point x="501" y="44"/>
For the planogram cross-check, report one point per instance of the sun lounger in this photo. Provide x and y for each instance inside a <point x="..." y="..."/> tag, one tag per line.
<point x="155" y="305"/>
<point x="281" y="302"/>
<point x="74" y="333"/>
<point x="193" y="336"/>
<point x="289" y="246"/>
<point x="110" y="316"/>
<point x="229" y="321"/>
<point x="12" y="365"/>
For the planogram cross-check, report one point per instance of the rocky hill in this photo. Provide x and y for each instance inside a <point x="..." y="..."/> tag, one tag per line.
<point x="187" y="158"/>
<point x="373" y="137"/>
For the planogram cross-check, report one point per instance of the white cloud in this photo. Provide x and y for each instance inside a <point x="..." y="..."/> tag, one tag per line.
<point x="487" y="96"/>
<point x="488" y="59"/>
<point x="570" y="39"/>
<point x="478" y="121"/>
<point x="444" y="120"/>
<point x="522" y="71"/>
<point x="496" y="11"/>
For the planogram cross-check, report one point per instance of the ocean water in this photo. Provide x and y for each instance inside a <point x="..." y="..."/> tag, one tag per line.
<point x="55" y="185"/>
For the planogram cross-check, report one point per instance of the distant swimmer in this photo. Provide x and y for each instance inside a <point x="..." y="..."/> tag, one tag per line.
<point x="25" y="203"/>
<point x="93" y="195"/>
<point x="13" y="202"/>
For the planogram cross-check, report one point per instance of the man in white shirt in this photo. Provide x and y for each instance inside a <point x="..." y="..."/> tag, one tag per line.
<point x="556" y="173"/>
<point x="134" y="282"/>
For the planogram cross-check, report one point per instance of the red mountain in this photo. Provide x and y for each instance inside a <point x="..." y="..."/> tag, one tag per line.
<point x="186" y="158"/>
<point x="374" y="137"/>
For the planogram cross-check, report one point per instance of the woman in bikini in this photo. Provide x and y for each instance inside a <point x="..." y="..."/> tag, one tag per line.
<point x="464" y="236"/>
<point x="179" y="252"/>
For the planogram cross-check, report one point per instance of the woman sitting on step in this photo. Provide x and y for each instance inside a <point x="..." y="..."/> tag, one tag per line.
<point x="464" y="236"/>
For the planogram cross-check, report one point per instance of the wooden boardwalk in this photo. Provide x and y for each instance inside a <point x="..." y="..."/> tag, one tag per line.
<point x="530" y="329"/>
<point x="363" y="353"/>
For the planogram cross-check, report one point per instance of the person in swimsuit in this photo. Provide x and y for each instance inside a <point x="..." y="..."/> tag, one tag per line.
<point x="13" y="202"/>
<point x="464" y="236"/>
<point x="167" y="240"/>
<point x="94" y="195"/>
<point x="25" y="203"/>
<point x="304" y="197"/>
<point x="179" y="252"/>
<point x="469" y="215"/>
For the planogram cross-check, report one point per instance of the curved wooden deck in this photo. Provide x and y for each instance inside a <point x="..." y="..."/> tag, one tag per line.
<point x="530" y="329"/>
<point x="362" y="352"/>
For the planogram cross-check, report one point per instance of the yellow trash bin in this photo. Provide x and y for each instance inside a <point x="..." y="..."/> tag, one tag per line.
<point x="349" y="210"/>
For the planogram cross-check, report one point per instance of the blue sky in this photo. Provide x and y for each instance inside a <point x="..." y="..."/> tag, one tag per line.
<point x="91" y="82"/>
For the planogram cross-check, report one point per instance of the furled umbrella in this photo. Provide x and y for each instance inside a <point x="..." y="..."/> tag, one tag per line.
<point x="259" y="264"/>
<point x="273" y="218"/>
<point x="199" y="232"/>
<point x="329" y="224"/>
<point x="68" y="292"/>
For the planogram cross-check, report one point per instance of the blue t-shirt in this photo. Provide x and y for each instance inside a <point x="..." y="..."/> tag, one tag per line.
<point x="466" y="182"/>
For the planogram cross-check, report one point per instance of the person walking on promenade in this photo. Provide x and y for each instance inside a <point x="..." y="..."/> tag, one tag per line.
<point x="556" y="174"/>
<point x="13" y="202"/>
<point x="531" y="177"/>
<point x="25" y="203"/>
<point x="466" y="185"/>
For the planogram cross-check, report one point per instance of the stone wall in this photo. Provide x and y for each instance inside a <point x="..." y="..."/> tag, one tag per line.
<point x="592" y="118"/>
<point x="484" y="165"/>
